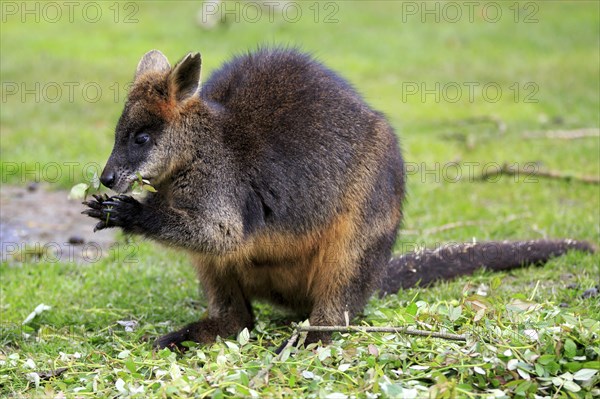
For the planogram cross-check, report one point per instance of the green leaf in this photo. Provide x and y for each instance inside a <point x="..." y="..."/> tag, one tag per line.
<point x="244" y="337"/>
<point x="130" y="364"/>
<point x="522" y="387"/>
<point x="244" y="380"/>
<point x="595" y="364"/>
<point x="571" y="386"/>
<point x="136" y="187"/>
<point x="324" y="353"/>
<point x="392" y="390"/>
<point x="570" y="348"/>
<point x="479" y="315"/>
<point x="573" y="366"/>
<point x="79" y="191"/>
<point x="465" y="387"/>
<point x="412" y="309"/>
<point x="285" y="354"/>
<point x="454" y="312"/>
<point x="552" y="368"/>
<point x="496" y="282"/>
<point x="545" y="359"/>
<point x="95" y="181"/>
<point x="523" y="373"/>
<point x="540" y="370"/>
<point x="148" y="187"/>
<point x="584" y="374"/>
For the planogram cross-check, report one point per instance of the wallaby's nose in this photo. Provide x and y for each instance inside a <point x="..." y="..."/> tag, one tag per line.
<point x="107" y="178"/>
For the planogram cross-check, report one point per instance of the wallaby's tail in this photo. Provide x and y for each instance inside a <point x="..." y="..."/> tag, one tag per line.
<point x="424" y="267"/>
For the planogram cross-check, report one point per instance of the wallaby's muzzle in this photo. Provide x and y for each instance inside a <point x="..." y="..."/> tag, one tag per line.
<point x="114" y="176"/>
<point x="108" y="177"/>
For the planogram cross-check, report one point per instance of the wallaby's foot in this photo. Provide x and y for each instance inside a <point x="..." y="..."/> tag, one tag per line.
<point x="204" y="331"/>
<point x="173" y="340"/>
<point x="116" y="211"/>
<point x="193" y="332"/>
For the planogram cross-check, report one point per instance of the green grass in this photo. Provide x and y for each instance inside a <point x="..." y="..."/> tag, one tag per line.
<point x="380" y="48"/>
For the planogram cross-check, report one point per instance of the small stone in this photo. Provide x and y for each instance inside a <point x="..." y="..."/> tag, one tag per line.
<point x="573" y="286"/>
<point x="564" y="305"/>
<point x="590" y="293"/>
<point x="76" y="240"/>
<point x="32" y="186"/>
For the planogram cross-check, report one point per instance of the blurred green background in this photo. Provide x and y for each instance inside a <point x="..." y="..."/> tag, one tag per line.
<point x="71" y="77"/>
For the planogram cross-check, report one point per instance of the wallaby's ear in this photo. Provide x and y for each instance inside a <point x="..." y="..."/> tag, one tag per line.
<point x="153" y="60"/>
<point x="184" y="80"/>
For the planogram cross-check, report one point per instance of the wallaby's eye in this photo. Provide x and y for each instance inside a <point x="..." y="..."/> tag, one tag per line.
<point x="141" y="138"/>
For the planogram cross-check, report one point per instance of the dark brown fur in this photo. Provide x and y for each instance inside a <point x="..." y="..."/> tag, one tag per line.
<point x="276" y="177"/>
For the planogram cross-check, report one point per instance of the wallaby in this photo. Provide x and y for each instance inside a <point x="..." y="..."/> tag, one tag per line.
<point x="281" y="183"/>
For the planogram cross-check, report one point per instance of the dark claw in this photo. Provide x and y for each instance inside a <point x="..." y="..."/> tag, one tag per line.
<point x="95" y="213"/>
<point x="110" y="203"/>
<point x="126" y="198"/>
<point x="93" y="204"/>
<point x="100" y="226"/>
<point x="100" y="197"/>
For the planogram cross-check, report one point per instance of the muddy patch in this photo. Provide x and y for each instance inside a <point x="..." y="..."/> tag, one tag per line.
<point x="38" y="224"/>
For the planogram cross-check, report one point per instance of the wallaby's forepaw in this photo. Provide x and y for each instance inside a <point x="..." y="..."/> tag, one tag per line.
<point x="116" y="211"/>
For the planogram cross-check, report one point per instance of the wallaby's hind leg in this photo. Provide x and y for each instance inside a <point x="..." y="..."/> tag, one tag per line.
<point x="327" y="313"/>
<point x="229" y="312"/>
<point x="342" y="290"/>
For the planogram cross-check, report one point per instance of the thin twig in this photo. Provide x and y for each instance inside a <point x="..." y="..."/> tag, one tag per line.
<point x="499" y="123"/>
<point x="262" y="375"/>
<point x="563" y="134"/>
<point x="398" y="330"/>
<point x="528" y="173"/>
<point x="453" y="225"/>
<point x="462" y="223"/>
<point x="444" y="227"/>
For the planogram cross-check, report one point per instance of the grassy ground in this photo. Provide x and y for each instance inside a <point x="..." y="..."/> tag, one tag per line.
<point x="536" y="335"/>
